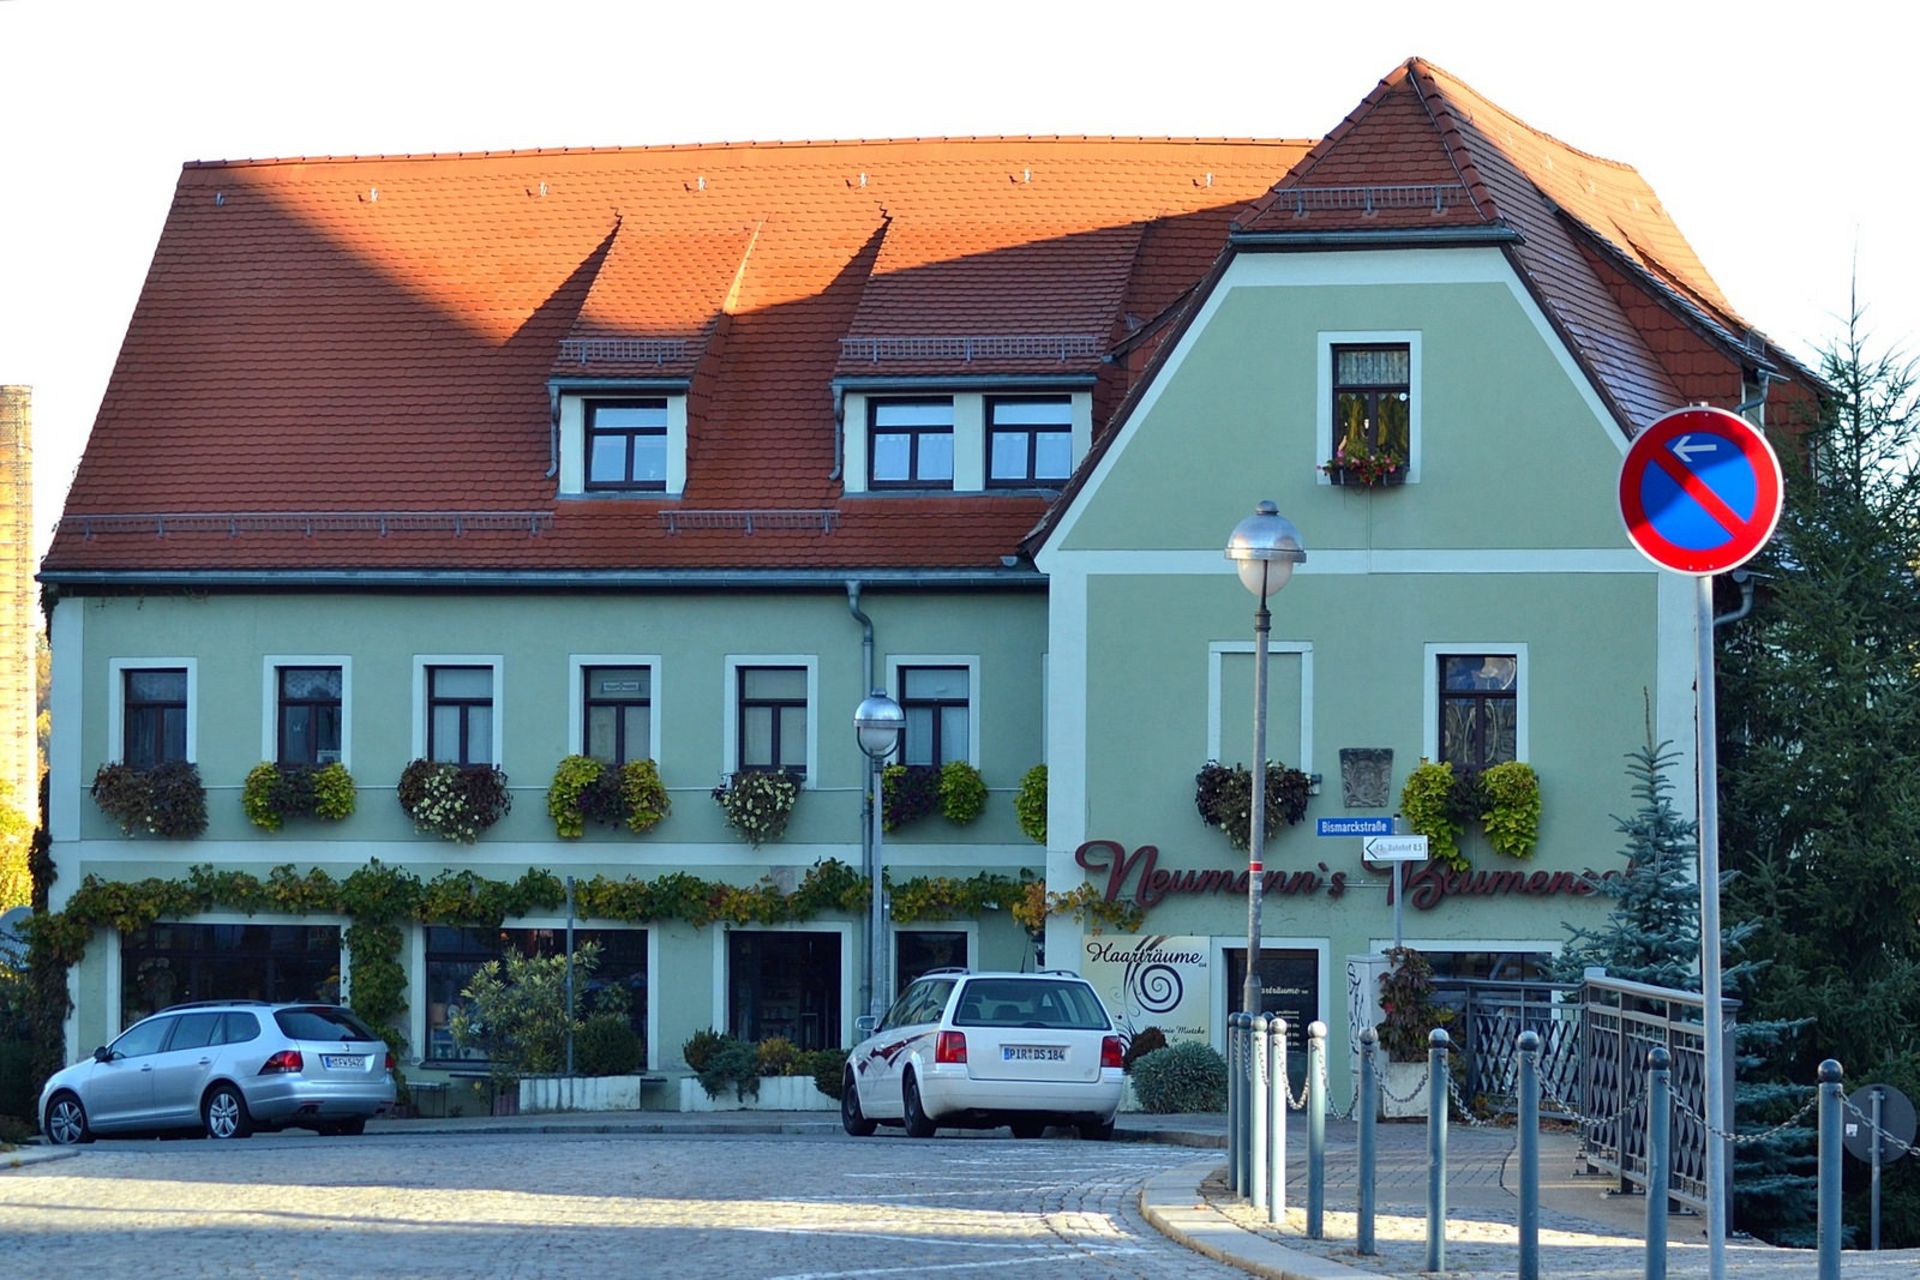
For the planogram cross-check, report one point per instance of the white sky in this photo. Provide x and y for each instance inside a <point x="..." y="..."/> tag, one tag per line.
<point x="1781" y="138"/>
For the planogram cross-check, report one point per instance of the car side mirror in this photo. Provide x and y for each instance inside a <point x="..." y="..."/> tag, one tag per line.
<point x="103" y="1054"/>
<point x="864" y="1024"/>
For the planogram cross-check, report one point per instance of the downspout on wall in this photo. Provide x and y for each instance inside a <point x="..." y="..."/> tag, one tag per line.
<point x="866" y="808"/>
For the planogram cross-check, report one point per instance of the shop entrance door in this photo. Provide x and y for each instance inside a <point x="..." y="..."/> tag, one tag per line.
<point x="1289" y="987"/>
<point x="784" y="983"/>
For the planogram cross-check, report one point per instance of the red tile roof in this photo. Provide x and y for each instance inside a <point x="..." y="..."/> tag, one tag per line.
<point x="375" y="335"/>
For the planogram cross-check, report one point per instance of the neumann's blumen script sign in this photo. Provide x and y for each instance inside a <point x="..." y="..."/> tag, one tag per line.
<point x="1426" y="887"/>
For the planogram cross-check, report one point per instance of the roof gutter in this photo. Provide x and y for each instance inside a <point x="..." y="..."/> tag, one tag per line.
<point x="1385" y="238"/>
<point x="1011" y="578"/>
<point x="966" y="382"/>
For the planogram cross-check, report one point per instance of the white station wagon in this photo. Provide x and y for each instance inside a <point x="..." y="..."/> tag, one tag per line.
<point x="978" y="1050"/>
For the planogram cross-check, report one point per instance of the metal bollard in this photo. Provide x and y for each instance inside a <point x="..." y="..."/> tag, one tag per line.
<point x="1316" y="1130"/>
<point x="1257" y="1113"/>
<point x="1277" y="1120"/>
<point x="1659" y="1158"/>
<point x="1233" y="1103"/>
<point x="1368" y="1110"/>
<point x="1529" y="1046"/>
<point x="1829" y="1229"/>
<point x="1437" y="1046"/>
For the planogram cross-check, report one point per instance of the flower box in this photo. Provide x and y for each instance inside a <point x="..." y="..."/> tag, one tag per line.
<point x="1403" y="1090"/>
<point x="1357" y="478"/>
<point x="777" y="1093"/>
<point x="580" y="1093"/>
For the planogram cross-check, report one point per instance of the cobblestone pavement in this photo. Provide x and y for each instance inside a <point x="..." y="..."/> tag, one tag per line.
<point x="562" y="1205"/>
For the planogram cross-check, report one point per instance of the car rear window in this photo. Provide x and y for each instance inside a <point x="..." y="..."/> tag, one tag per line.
<point x="1030" y="1002"/>
<point x="321" y="1024"/>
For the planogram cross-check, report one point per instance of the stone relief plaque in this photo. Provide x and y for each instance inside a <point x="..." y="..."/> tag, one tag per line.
<point x="1366" y="776"/>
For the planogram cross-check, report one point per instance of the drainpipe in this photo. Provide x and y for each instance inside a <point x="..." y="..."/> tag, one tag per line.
<point x="553" y="432"/>
<point x="1743" y="578"/>
<point x="866" y="809"/>
<point x="839" y="461"/>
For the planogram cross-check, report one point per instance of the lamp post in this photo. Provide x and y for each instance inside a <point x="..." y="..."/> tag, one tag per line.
<point x="877" y="723"/>
<point x="1264" y="548"/>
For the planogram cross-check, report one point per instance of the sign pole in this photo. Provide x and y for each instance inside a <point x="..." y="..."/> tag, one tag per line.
<point x="1710" y="986"/>
<point x="1399" y="902"/>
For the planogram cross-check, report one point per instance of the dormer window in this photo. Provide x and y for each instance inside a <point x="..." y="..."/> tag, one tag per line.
<point x="1372" y="398"/>
<point x="912" y="443"/>
<point x="1029" y="441"/>
<point x="620" y="437"/>
<point x="627" y="444"/>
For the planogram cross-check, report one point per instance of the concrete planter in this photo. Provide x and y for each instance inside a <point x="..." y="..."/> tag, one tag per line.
<point x="580" y="1093"/>
<point x="1403" y="1080"/>
<point x="777" y="1093"/>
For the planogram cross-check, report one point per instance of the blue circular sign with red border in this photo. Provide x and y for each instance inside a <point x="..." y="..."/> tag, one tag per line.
<point x="1700" y="491"/>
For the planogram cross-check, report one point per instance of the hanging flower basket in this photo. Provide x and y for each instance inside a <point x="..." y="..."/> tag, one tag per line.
<point x="758" y="803"/>
<point x="453" y="801"/>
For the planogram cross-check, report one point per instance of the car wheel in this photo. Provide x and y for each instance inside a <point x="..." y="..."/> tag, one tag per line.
<point x="852" y="1119"/>
<point x="919" y="1123"/>
<point x="1096" y="1131"/>
<point x="224" y="1114"/>
<point x="67" y="1121"/>
<point x="1027" y="1128"/>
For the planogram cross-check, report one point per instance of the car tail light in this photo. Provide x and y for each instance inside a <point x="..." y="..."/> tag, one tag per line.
<point x="950" y="1047"/>
<point x="1110" y="1054"/>
<point x="285" y="1060"/>
<point x="389" y="1059"/>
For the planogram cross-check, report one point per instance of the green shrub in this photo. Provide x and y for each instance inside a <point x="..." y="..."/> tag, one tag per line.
<point x="1144" y="1042"/>
<point x="606" y="1045"/>
<point x="515" y="1012"/>
<point x="1188" y="1076"/>
<point x="778" y="1056"/>
<point x="700" y="1047"/>
<point x="734" y="1063"/>
<point x="828" y="1068"/>
<point x="17" y="1086"/>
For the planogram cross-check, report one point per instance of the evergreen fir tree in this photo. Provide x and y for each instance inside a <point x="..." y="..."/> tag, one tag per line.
<point x="1652" y="934"/>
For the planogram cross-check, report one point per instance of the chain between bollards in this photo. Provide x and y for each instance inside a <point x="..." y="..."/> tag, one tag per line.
<point x="1529" y="1047"/>
<point x="1828" y="1231"/>
<point x="1437" y="1046"/>
<point x="1368" y="1106"/>
<point x="1659" y="1158"/>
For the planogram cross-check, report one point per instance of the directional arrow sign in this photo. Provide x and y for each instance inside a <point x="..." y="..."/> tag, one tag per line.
<point x="1700" y="491"/>
<point x="1395" y="848"/>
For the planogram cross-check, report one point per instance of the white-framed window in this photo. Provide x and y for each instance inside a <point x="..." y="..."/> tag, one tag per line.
<point x="614" y="706"/>
<point x="624" y="442"/>
<point x="457" y="707"/>
<point x="152" y="715"/>
<point x="307" y="709"/>
<point x="1368" y="395"/>
<point x="1475" y="704"/>
<point x="1289" y="702"/>
<point x="771" y="701"/>
<point x="1011" y="437"/>
<point x="916" y="950"/>
<point x="941" y="695"/>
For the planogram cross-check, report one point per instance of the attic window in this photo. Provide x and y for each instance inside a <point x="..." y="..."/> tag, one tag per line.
<point x="911" y="443"/>
<point x="1372" y="395"/>
<point x="627" y="444"/>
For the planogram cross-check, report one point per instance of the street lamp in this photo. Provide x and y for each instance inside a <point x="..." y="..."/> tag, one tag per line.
<point x="1264" y="548"/>
<point x="877" y="723"/>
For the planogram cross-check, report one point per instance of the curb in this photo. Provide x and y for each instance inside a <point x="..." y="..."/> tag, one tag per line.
<point x="647" y="1128"/>
<point x="1171" y="1202"/>
<point x="20" y="1157"/>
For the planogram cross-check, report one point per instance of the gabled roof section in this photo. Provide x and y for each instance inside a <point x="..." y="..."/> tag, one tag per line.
<point x="1422" y="127"/>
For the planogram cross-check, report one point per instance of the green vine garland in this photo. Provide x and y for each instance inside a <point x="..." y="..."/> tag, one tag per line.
<point x="1030" y="804"/>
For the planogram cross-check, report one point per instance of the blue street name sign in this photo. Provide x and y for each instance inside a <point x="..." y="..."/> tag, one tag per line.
<point x="1355" y="826"/>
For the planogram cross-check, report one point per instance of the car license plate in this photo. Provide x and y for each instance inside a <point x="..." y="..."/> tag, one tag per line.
<point x="343" y="1061"/>
<point x="1033" y="1053"/>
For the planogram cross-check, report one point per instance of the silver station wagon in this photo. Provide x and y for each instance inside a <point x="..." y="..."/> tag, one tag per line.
<point x="228" y="1068"/>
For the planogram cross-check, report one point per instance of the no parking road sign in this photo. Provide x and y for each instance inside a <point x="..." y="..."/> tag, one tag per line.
<point x="1700" y="491"/>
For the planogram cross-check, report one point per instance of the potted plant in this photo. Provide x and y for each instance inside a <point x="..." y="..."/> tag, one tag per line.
<point x="275" y="792"/>
<point x="1359" y="464"/>
<point x="166" y="800"/>
<point x="587" y="790"/>
<point x="1224" y="798"/>
<point x="908" y="793"/>
<point x="1408" y="1018"/>
<point x="758" y="803"/>
<point x="454" y="801"/>
<point x="1030" y="804"/>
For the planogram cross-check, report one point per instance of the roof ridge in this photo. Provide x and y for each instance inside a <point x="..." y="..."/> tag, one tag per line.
<point x="1459" y="150"/>
<point x="262" y="162"/>
<point x="1443" y="77"/>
